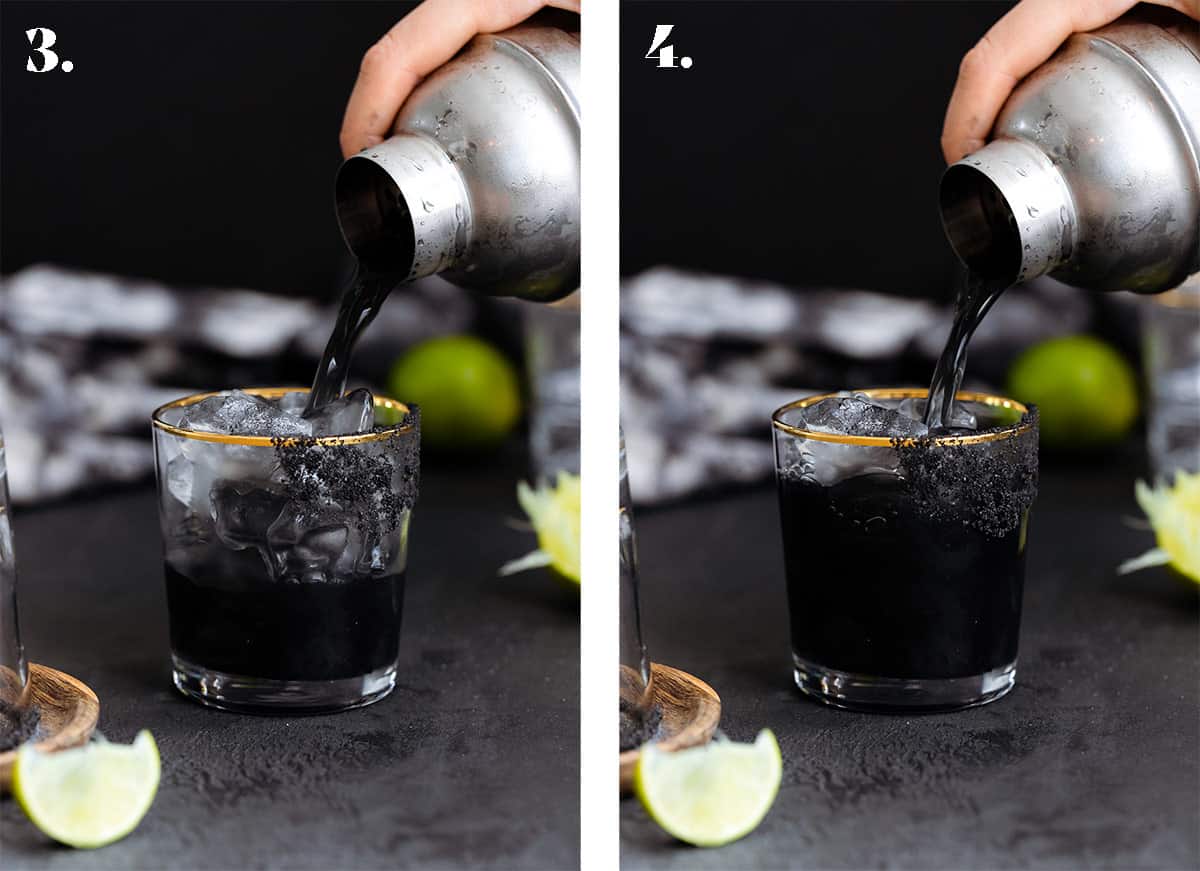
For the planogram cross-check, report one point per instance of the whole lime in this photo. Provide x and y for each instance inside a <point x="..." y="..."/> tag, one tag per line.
<point x="469" y="393"/>
<point x="1084" y="389"/>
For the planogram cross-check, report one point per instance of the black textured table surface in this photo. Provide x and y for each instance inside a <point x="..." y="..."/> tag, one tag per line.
<point x="1091" y="761"/>
<point x="472" y="762"/>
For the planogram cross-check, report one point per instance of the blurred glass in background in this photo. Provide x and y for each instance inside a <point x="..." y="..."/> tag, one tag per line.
<point x="14" y="676"/>
<point x="552" y="358"/>
<point x="638" y="721"/>
<point x="1171" y="352"/>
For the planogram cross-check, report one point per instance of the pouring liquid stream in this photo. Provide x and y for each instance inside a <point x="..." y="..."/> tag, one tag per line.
<point x="976" y="295"/>
<point x="360" y="304"/>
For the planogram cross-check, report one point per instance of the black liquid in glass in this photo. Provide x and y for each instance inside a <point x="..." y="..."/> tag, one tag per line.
<point x="257" y="627"/>
<point x="877" y="587"/>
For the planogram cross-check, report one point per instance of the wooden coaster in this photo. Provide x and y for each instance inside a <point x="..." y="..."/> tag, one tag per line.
<point x="690" y="710"/>
<point x="68" y="713"/>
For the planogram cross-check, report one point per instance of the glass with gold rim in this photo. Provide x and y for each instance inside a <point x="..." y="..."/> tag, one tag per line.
<point x="905" y="556"/>
<point x="285" y="557"/>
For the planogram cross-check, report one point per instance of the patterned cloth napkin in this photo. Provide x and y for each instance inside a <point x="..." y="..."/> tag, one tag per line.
<point x="85" y="359"/>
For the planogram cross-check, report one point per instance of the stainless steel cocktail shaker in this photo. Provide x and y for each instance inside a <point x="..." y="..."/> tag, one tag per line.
<point x="480" y="178"/>
<point x="1092" y="174"/>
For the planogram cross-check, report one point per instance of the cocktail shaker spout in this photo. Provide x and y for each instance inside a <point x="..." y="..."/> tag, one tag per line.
<point x="1093" y="171"/>
<point x="480" y="179"/>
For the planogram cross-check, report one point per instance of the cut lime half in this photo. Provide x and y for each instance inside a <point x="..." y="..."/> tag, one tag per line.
<point x="711" y="795"/>
<point x="1174" y="513"/>
<point x="88" y="796"/>
<point x="555" y="514"/>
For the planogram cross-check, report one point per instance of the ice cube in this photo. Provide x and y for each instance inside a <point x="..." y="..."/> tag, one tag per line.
<point x="293" y="403"/>
<point x="188" y="513"/>
<point x="181" y="480"/>
<point x="352" y="413"/>
<point x="856" y="415"/>
<point x="215" y="460"/>
<point x="914" y="409"/>
<point x="372" y="551"/>
<point x="305" y="547"/>
<point x="243" y="514"/>
<point x="239" y="413"/>
<point x="827" y="463"/>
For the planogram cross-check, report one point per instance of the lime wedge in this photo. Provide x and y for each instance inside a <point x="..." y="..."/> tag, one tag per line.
<point x="555" y="515"/>
<point x="88" y="796"/>
<point x="1174" y="512"/>
<point x="711" y="795"/>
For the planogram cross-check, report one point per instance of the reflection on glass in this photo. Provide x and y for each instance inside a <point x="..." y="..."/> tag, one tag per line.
<point x="17" y="717"/>
<point x="639" y="715"/>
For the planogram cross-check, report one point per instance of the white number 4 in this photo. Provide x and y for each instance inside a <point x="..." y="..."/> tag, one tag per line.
<point x="666" y="53"/>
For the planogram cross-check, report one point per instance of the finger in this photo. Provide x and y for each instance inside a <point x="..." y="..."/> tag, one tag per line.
<point x="1016" y="45"/>
<point x="503" y="14"/>
<point x="419" y="43"/>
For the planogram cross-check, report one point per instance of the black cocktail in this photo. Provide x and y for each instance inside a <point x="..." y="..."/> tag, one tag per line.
<point x="252" y="625"/>
<point x="904" y="547"/>
<point x="285" y="545"/>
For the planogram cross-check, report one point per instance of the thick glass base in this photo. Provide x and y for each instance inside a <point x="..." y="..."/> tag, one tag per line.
<point x="860" y="692"/>
<point x="254" y="695"/>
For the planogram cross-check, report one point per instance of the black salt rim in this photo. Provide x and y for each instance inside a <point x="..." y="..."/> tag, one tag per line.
<point x="989" y="489"/>
<point x="17" y="724"/>
<point x="318" y="471"/>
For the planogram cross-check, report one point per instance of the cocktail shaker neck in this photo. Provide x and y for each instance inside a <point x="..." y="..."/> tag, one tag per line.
<point x="1092" y="174"/>
<point x="480" y="179"/>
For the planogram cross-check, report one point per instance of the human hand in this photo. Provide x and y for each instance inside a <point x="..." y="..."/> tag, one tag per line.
<point x="1015" y="46"/>
<point x="419" y="43"/>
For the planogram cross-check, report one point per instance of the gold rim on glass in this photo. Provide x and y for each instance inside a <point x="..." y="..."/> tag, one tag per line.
<point x="1022" y="426"/>
<point x="271" y="441"/>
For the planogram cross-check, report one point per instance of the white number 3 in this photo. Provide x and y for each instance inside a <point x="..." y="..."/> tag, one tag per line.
<point x="40" y="40"/>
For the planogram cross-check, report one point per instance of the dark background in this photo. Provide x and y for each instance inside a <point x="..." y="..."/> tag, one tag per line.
<point x="196" y="143"/>
<point x="193" y="143"/>
<point x="803" y="144"/>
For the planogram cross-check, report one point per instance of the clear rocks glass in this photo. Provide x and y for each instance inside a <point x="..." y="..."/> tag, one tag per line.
<point x="285" y="558"/>
<point x="905" y="556"/>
